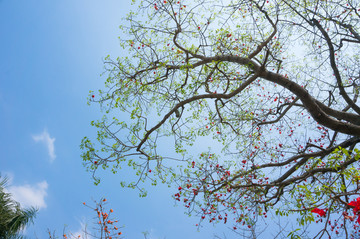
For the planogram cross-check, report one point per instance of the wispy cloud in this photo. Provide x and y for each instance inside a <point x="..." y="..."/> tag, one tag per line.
<point x="48" y="141"/>
<point x="9" y="177"/>
<point x="151" y="234"/>
<point x="30" y="195"/>
<point x="83" y="231"/>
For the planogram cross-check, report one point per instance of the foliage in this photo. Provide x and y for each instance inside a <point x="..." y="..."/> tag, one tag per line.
<point x="271" y="85"/>
<point x="12" y="217"/>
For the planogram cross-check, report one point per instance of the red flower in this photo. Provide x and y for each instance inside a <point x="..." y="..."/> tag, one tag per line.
<point x="355" y="205"/>
<point x="321" y="212"/>
<point x="356" y="208"/>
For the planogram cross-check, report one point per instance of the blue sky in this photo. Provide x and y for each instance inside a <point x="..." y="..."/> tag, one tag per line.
<point x="51" y="55"/>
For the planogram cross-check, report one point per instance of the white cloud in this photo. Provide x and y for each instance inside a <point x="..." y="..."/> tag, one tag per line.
<point x="82" y="231"/>
<point x="48" y="141"/>
<point x="30" y="195"/>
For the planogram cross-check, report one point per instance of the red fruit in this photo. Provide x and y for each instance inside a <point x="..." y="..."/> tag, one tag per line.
<point x="93" y="96"/>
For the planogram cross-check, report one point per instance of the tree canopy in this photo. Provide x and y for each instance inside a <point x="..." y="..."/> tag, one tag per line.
<point x="249" y="106"/>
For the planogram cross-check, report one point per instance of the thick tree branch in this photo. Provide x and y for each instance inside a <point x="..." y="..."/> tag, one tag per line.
<point x="335" y="68"/>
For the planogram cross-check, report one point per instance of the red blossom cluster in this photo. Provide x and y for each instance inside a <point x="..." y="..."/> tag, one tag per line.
<point x="321" y="212"/>
<point x="355" y="204"/>
<point x="356" y="208"/>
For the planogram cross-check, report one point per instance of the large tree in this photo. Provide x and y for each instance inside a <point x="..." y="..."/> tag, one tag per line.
<point x="13" y="218"/>
<point x="271" y="85"/>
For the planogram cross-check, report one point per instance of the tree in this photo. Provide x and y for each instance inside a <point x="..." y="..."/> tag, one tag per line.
<point x="105" y="226"/>
<point x="272" y="85"/>
<point x="12" y="217"/>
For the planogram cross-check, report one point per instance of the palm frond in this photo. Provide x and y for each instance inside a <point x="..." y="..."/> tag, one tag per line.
<point x="12" y="217"/>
